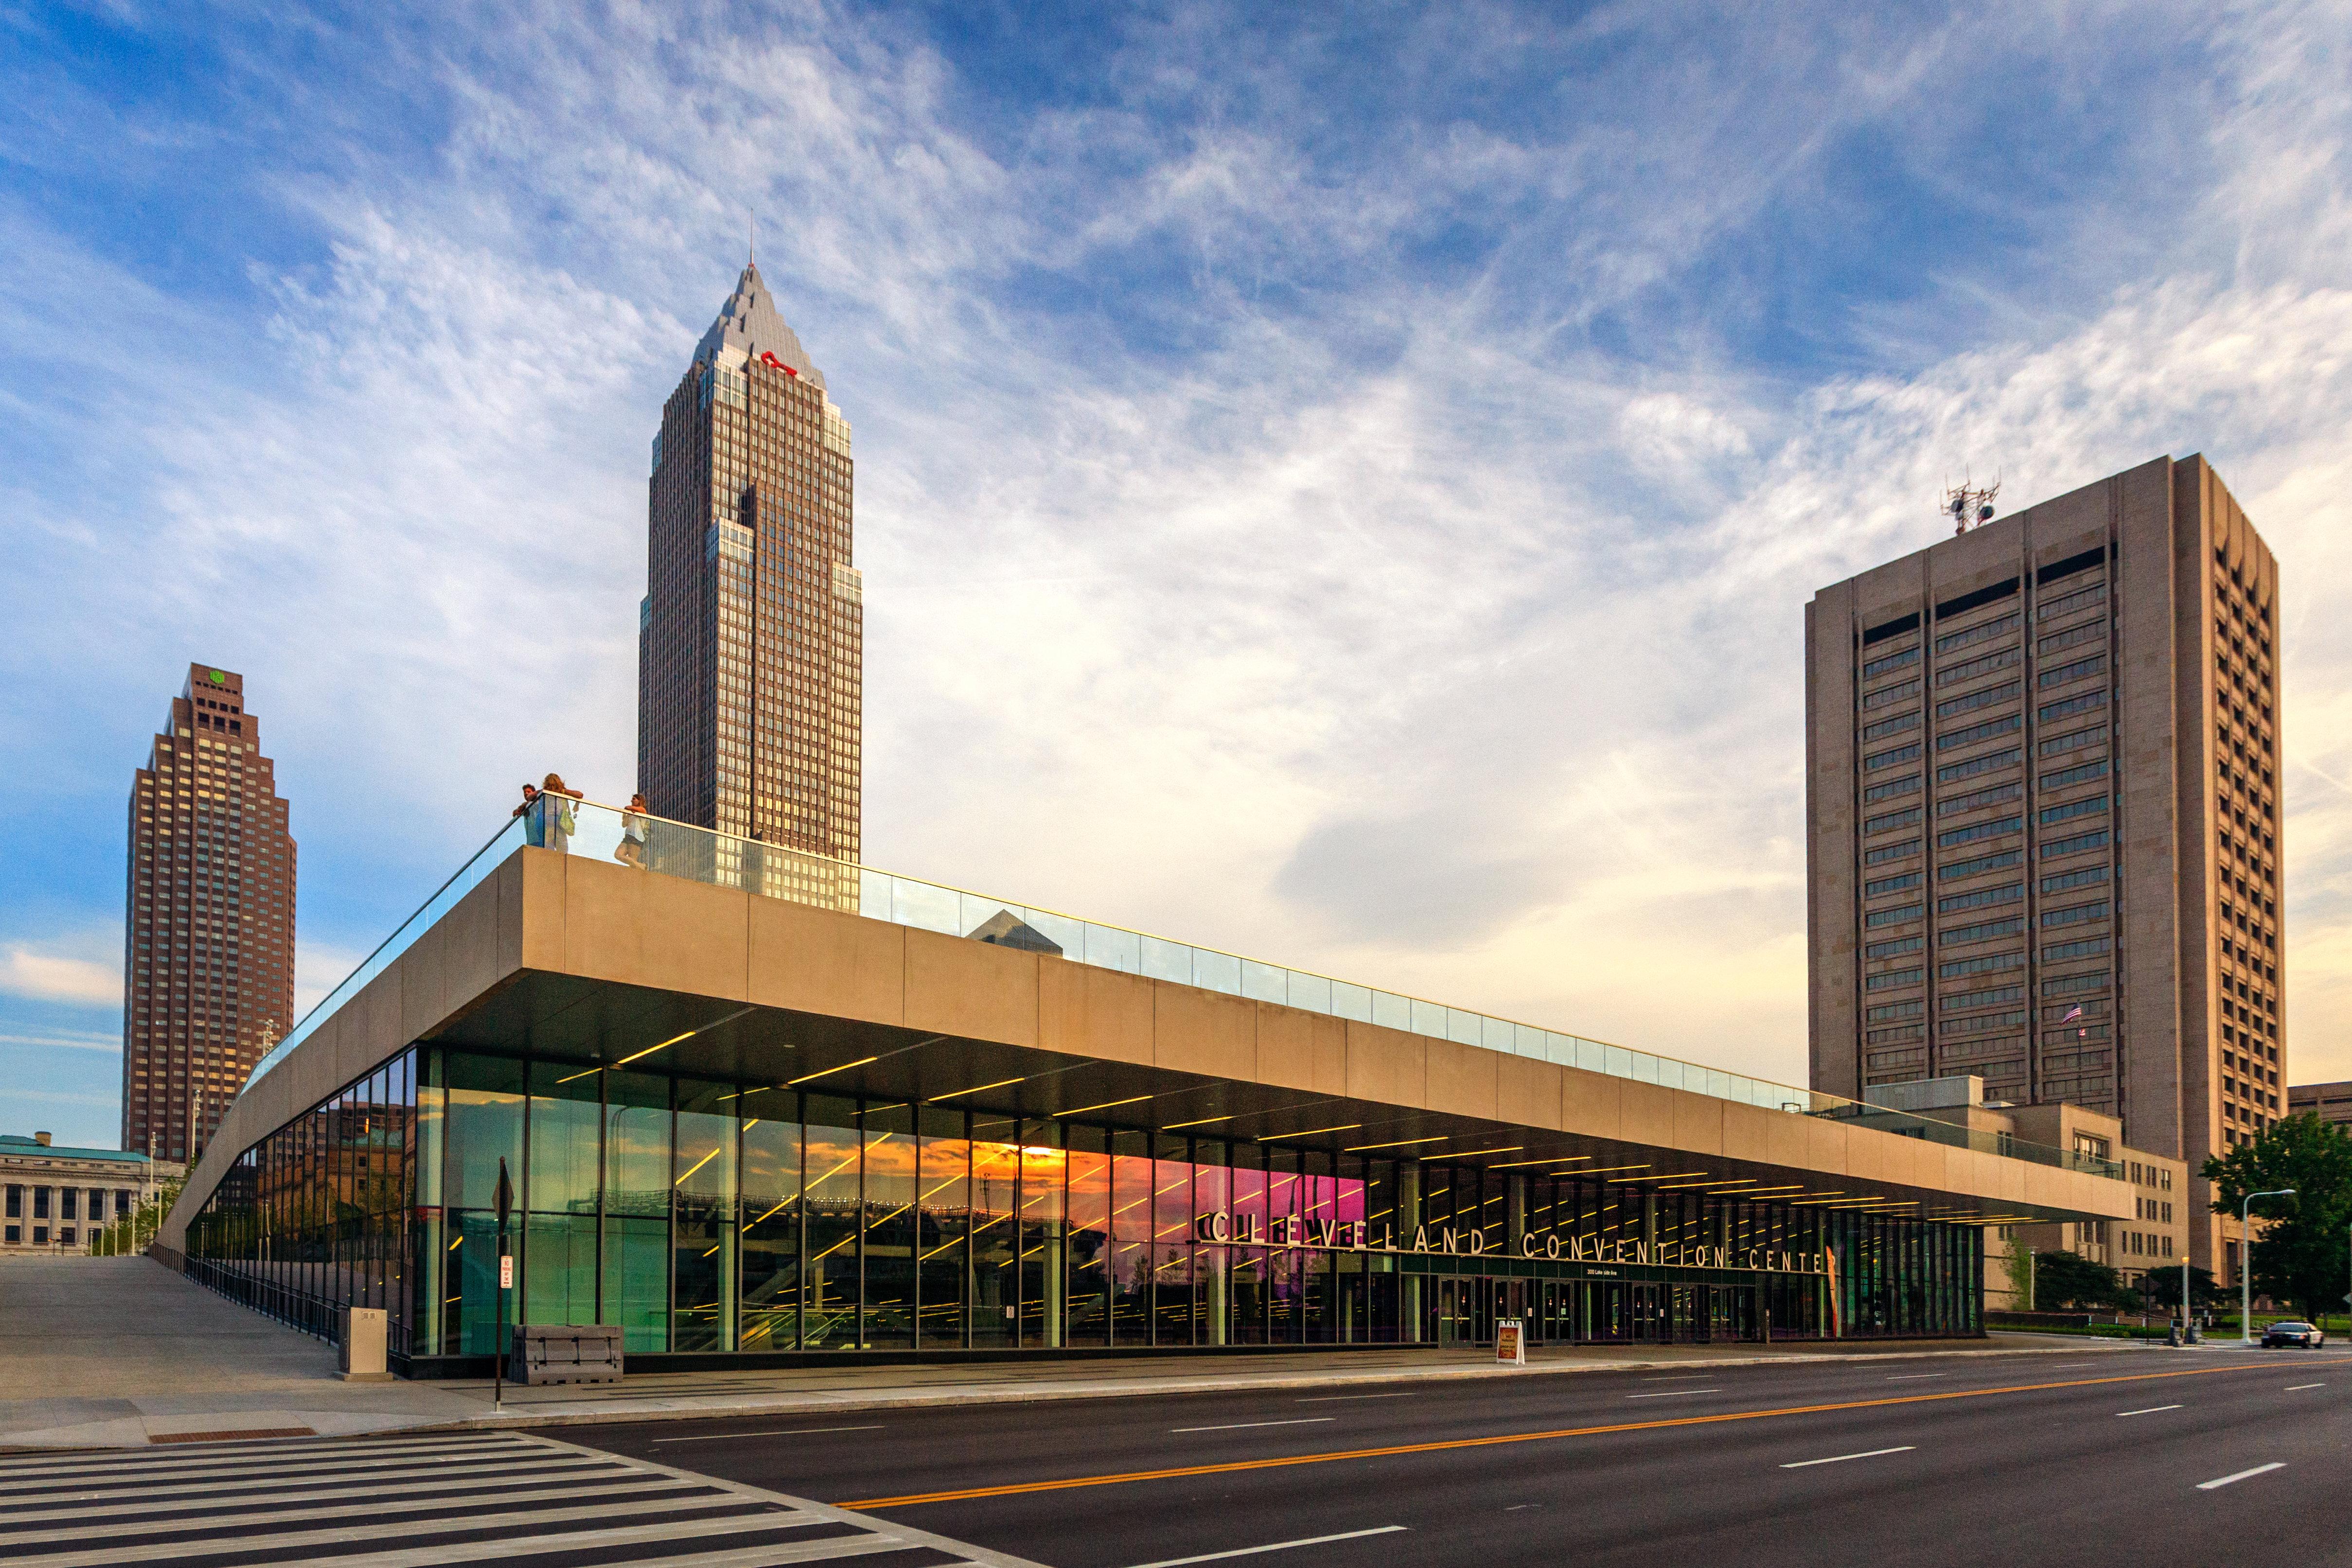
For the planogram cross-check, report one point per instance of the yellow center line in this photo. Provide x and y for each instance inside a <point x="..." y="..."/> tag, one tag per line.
<point x="1018" y="1488"/>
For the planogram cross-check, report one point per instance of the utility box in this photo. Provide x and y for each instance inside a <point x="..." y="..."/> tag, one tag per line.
<point x="565" y="1353"/>
<point x="360" y="1357"/>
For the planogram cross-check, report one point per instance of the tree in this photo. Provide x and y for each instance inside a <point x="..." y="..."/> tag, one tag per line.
<point x="2161" y="1287"/>
<point x="2299" y="1256"/>
<point x="2071" y="1279"/>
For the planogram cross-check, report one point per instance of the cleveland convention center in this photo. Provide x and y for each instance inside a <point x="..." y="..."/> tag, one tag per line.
<point x="762" y="1106"/>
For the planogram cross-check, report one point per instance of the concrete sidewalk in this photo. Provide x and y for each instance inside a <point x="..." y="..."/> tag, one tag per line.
<point x="120" y="1352"/>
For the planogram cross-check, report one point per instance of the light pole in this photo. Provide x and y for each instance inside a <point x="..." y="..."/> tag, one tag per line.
<point x="2246" y="1260"/>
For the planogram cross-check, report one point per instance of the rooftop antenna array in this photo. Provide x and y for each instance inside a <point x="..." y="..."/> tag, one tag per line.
<point x="1968" y="506"/>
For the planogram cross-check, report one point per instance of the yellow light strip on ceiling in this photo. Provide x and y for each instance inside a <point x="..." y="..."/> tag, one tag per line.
<point x="1204" y="1122"/>
<point x="1134" y="1100"/>
<point x="1399" y="1143"/>
<point x="1469" y="1154"/>
<point x="978" y="1088"/>
<point x="1310" y="1133"/>
<point x="649" y="1050"/>
<point x="1555" y="1160"/>
<point x="844" y="1067"/>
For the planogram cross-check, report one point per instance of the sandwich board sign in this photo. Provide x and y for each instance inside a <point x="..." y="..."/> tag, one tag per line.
<point x="1511" y="1341"/>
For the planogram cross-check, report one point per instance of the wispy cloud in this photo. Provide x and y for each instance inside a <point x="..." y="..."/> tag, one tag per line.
<point x="65" y="1041"/>
<point x="52" y="977"/>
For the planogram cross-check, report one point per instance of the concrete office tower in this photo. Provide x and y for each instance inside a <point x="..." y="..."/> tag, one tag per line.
<point x="208" y="927"/>
<point x="750" y="637"/>
<point x="2042" y="816"/>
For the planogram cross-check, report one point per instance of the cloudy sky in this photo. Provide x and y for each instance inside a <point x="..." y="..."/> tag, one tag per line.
<point x="1340" y="490"/>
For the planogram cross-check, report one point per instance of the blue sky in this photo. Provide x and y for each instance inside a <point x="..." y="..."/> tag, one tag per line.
<point x="1339" y="485"/>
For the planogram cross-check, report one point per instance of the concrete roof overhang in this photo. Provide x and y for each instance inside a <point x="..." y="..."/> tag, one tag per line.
<point x="581" y="961"/>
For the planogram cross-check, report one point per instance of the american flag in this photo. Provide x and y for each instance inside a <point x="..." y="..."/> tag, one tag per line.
<point x="2072" y="1014"/>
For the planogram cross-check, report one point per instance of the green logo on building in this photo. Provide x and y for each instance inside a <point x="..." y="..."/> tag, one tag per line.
<point x="220" y="677"/>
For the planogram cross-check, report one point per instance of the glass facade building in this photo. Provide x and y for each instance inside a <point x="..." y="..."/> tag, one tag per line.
<point x="748" y="1220"/>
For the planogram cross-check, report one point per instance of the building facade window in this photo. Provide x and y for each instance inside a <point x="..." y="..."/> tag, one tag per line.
<point x="706" y="1215"/>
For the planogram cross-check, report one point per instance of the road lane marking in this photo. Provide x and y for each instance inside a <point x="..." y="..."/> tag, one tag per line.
<point x="1335" y="1398"/>
<point x="1673" y="1393"/>
<point x="1917" y="1376"/>
<point x="1272" y="1546"/>
<point x="1065" y="1483"/>
<point x="2149" y="1411"/>
<point x="2242" y="1474"/>
<point x="1237" y="1425"/>
<point x="2299" y="1387"/>
<point x="787" y="1432"/>
<point x="1673" y="1380"/>
<point x="1841" y="1459"/>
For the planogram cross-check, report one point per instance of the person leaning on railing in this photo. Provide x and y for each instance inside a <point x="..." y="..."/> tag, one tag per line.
<point x="631" y="850"/>
<point x="547" y="812"/>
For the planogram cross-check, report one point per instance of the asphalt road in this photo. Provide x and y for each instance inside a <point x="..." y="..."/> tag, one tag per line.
<point x="2103" y="1457"/>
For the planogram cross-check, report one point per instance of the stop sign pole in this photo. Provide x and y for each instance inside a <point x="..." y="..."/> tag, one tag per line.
<point x="506" y="1282"/>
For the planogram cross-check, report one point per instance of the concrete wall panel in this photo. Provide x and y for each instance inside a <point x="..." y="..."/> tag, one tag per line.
<point x="818" y="961"/>
<point x="1087" y="1012"/>
<point x="694" y="936"/>
<point x="1464" y="1079"/>
<point x="1386" y="1065"/>
<point x="1203" y="1031"/>
<point x="976" y="989"/>
<point x="1531" y="1092"/>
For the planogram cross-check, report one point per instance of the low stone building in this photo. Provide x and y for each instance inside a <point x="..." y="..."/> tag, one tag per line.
<point x="55" y="1197"/>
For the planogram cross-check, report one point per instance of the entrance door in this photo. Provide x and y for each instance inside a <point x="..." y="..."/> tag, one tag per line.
<point x="1645" y="1312"/>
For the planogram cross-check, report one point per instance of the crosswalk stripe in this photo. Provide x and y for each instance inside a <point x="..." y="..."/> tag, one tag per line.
<point x="270" y="1517"/>
<point x="196" y="1453"/>
<point x="452" y="1476"/>
<point x="228" y="1467"/>
<point x="514" y="1499"/>
<point x="777" y="1554"/>
<point x="255" y="1493"/>
<point x="768" y="1516"/>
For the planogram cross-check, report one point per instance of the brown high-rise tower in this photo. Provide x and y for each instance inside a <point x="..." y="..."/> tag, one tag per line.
<point x="2042" y="814"/>
<point x="751" y="638"/>
<point x="208" y="934"/>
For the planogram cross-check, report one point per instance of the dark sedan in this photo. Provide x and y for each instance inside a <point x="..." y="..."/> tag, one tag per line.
<point x="2280" y="1334"/>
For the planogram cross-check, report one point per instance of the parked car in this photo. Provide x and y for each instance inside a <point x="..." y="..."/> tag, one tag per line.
<point x="2288" y="1332"/>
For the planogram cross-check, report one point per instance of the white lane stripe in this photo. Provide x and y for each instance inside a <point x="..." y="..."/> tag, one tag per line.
<point x="1272" y="1546"/>
<point x="2149" y="1411"/>
<point x="1917" y="1376"/>
<point x="1335" y="1398"/>
<point x="787" y="1432"/>
<point x="1237" y="1425"/>
<point x="1674" y="1393"/>
<point x="620" y="1500"/>
<point x="1841" y="1459"/>
<point x="2299" y="1387"/>
<point x="2242" y="1474"/>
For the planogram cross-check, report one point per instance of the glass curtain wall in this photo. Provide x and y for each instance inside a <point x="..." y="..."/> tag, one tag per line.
<point x="319" y="1216"/>
<point x="709" y="1217"/>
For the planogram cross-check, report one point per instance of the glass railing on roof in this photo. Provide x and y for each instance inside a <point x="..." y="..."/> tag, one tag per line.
<point x="652" y="844"/>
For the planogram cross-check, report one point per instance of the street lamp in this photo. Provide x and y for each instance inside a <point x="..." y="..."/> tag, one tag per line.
<point x="2246" y="1260"/>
